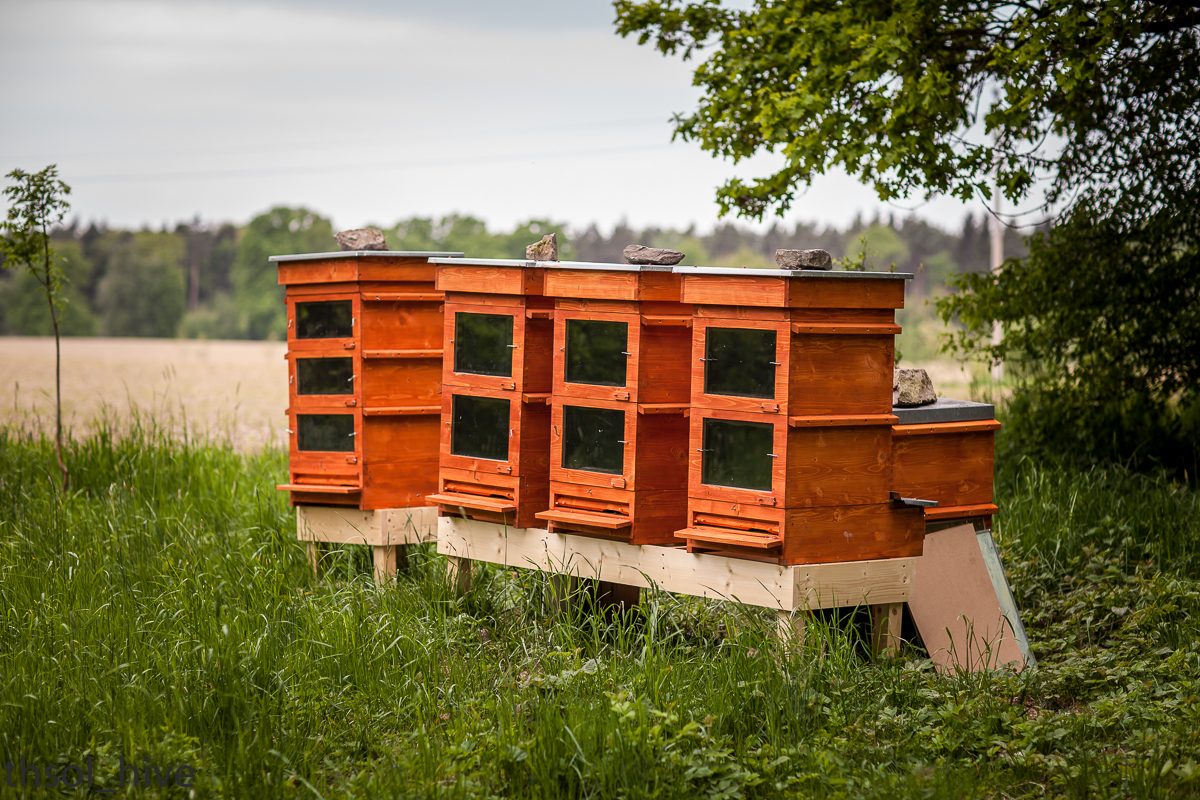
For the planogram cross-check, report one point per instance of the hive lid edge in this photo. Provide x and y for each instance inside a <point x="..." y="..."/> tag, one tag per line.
<point x="946" y="409"/>
<point x="754" y="272"/>
<point x="362" y="253"/>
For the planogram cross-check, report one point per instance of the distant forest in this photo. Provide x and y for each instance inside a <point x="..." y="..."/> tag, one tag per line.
<point x="206" y="280"/>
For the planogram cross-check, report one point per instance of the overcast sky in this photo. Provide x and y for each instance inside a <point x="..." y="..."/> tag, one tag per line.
<point x="366" y="111"/>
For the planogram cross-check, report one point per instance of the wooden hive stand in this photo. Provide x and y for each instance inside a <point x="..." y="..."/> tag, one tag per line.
<point x="618" y="435"/>
<point x="495" y="420"/>
<point x="791" y="424"/>
<point x="364" y="382"/>
<point x="791" y="591"/>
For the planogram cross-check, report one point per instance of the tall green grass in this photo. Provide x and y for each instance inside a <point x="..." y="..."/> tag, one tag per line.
<point x="163" y="609"/>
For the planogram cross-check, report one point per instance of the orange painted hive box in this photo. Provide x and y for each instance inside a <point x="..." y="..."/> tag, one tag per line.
<point x="495" y="421"/>
<point x="791" y="425"/>
<point x="364" y="376"/>
<point x="945" y="453"/>
<point x="619" y="405"/>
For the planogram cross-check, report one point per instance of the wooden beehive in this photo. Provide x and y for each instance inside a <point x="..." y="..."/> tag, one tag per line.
<point x="791" y="424"/>
<point x="618" y="436"/>
<point x="495" y="422"/>
<point x="365" y="367"/>
<point x="945" y="452"/>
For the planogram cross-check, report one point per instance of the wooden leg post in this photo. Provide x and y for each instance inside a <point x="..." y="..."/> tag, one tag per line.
<point x="790" y="626"/>
<point x="459" y="572"/>
<point x="385" y="557"/>
<point x="564" y="591"/>
<point x="316" y="555"/>
<point x="618" y="595"/>
<point x="886" y="620"/>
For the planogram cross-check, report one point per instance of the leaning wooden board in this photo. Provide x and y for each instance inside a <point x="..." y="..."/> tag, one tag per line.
<point x="962" y="604"/>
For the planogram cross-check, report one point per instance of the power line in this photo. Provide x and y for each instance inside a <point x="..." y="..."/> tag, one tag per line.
<point x="300" y="146"/>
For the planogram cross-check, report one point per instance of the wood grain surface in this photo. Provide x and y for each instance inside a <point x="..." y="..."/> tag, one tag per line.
<point x="954" y="468"/>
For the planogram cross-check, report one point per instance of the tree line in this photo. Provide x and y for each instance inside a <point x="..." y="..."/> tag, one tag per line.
<point x="213" y="280"/>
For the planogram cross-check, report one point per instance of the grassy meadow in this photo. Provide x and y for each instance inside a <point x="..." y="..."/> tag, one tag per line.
<point x="162" y="609"/>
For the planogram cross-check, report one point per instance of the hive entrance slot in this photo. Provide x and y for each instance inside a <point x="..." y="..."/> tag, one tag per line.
<point x="478" y="489"/>
<point x="736" y="523"/>
<point x="591" y="505"/>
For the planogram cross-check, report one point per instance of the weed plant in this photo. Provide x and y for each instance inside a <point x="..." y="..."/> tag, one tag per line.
<point x="163" y="609"/>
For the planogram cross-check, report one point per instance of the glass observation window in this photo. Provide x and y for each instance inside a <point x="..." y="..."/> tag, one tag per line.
<point x="483" y="343"/>
<point x="325" y="319"/>
<point x="324" y="376"/>
<point x="479" y="427"/>
<point x="596" y="352"/>
<point x="739" y="361"/>
<point x="593" y="439"/>
<point x="737" y="454"/>
<point x="329" y="433"/>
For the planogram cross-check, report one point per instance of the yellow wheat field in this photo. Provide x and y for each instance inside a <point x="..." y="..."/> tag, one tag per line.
<point x="234" y="391"/>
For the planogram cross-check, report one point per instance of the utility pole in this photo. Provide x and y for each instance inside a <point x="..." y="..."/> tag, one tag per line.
<point x="996" y="229"/>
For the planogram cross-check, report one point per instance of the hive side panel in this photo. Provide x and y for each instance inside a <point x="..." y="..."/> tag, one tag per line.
<point x="398" y="383"/>
<point x="401" y="325"/>
<point x="659" y="287"/>
<point x="589" y="284"/>
<point x="401" y="460"/>
<point x="664" y="364"/>
<point x="469" y="278"/>
<point x="845" y="293"/>
<point x="396" y="268"/>
<point x="840" y="374"/>
<point x="733" y="290"/>
<point x="852" y="533"/>
<point x="534" y="436"/>
<point x="657" y="515"/>
<point x="538" y="363"/>
<point x="661" y="460"/>
<point x="838" y="466"/>
<point x="334" y="270"/>
<point x="956" y="469"/>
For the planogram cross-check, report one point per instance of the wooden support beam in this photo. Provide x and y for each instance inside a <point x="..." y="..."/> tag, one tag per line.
<point x="673" y="569"/>
<point x="383" y="527"/>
